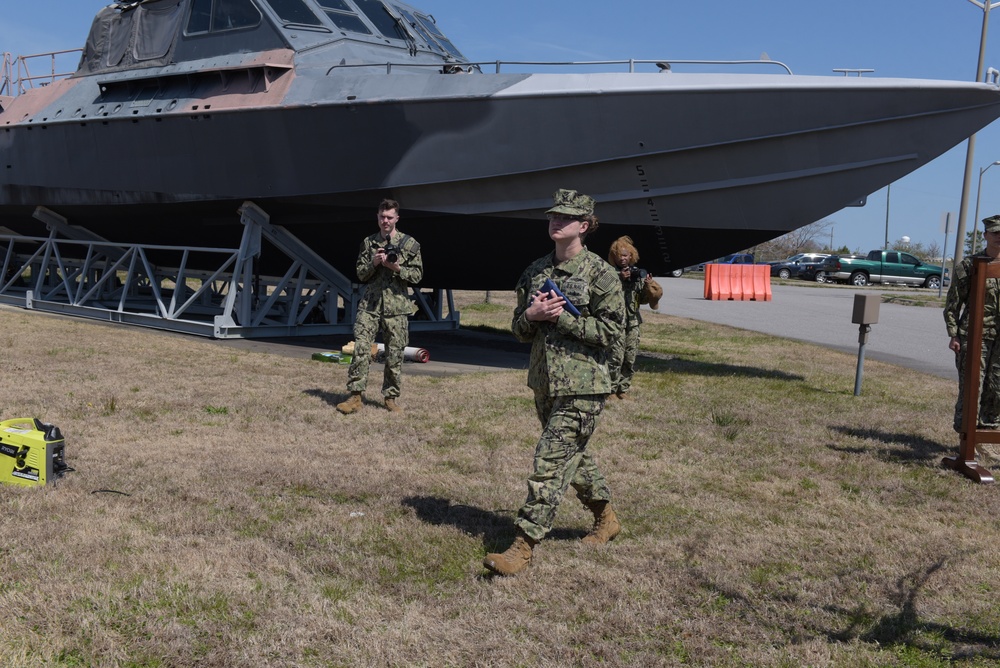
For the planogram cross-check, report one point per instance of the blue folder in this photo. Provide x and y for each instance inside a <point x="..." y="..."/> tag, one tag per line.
<point x="549" y="286"/>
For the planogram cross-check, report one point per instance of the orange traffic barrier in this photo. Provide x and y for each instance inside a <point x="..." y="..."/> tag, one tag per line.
<point x="747" y="274"/>
<point x="762" y="282"/>
<point x="738" y="282"/>
<point x="736" y="290"/>
<point x="721" y="277"/>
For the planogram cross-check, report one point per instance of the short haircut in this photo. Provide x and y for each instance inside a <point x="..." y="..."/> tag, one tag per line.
<point x="387" y="204"/>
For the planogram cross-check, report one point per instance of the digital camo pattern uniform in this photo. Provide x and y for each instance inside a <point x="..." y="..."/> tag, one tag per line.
<point x="385" y="304"/>
<point x="569" y="375"/>
<point x="626" y="347"/>
<point x="956" y="318"/>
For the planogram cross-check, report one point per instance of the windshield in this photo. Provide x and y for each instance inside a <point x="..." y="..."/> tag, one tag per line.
<point x="344" y="16"/>
<point x="294" y="11"/>
<point x="218" y="15"/>
<point x="380" y="17"/>
<point x="431" y="27"/>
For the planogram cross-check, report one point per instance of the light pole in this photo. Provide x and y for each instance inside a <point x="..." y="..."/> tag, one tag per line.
<point x="888" y="191"/>
<point x="970" y="153"/>
<point x="979" y="191"/>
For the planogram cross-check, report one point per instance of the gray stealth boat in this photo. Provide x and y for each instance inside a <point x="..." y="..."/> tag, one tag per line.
<point x="181" y="110"/>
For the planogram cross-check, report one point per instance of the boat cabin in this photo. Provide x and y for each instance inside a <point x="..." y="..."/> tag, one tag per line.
<point x="157" y="33"/>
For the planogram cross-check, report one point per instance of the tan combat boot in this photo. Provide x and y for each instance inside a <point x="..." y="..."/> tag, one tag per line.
<point x="392" y="406"/>
<point x="606" y="524"/>
<point x="352" y="405"/>
<point x="515" y="559"/>
<point x="623" y="396"/>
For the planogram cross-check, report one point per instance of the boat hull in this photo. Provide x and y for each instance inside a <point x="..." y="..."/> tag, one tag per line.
<point x="692" y="167"/>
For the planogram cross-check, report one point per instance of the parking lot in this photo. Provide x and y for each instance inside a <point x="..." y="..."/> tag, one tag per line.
<point x="910" y="336"/>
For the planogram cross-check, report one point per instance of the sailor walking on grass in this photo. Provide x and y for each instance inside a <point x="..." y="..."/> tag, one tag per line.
<point x="568" y="372"/>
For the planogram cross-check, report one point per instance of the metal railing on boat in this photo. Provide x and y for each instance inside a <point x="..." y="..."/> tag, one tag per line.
<point x="663" y="65"/>
<point x="16" y="77"/>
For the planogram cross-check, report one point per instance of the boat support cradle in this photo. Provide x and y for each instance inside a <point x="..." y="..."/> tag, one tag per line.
<point x="76" y="272"/>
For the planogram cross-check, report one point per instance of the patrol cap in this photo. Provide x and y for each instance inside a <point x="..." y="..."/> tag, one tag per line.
<point x="572" y="203"/>
<point x="992" y="224"/>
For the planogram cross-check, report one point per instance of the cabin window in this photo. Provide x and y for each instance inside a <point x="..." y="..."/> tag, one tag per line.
<point x="438" y="36"/>
<point x="419" y="29"/>
<point x="425" y="27"/>
<point x="343" y="16"/>
<point x="294" y="11"/>
<point x="380" y="17"/>
<point x="219" y="15"/>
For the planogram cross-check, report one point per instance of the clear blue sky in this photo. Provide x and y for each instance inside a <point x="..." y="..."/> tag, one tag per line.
<point x="934" y="39"/>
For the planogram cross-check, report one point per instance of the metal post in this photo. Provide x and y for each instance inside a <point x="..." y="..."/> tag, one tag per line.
<point x="947" y="228"/>
<point x="979" y="192"/>
<point x="888" y="191"/>
<point x="970" y="153"/>
<point x="860" y="372"/>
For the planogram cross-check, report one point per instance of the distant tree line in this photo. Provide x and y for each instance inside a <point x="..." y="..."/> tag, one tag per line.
<point x="817" y="237"/>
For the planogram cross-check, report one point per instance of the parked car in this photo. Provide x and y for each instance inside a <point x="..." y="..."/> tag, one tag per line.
<point x="816" y="268"/>
<point x="792" y="266"/>
<point x="882" y="266"/>
<point x="732" y="258"/>
<point x="736" y="258"/>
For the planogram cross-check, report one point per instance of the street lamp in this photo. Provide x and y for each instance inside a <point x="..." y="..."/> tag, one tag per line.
<point x="888" y="192"/>
<point x="979" y="191"/>
<point x="970" y="153"/>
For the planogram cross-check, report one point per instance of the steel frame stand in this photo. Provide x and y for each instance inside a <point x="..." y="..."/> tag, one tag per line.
<point x="76" y="272"/>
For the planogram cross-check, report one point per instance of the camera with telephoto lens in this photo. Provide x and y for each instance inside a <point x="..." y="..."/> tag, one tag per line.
<point x="637" y="275"/>
<point x="391" y="252"/>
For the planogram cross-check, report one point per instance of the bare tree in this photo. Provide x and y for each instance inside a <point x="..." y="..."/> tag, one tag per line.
<point x="934" y="253"/>
<point x="812" y="237"/>
<point x="930" y="253"/>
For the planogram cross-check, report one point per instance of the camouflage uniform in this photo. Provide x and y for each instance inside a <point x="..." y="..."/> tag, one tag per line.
<point x="569" y="375"/>
<point x="956" y="318"/>
<point x="626" y="347"/>
<point x="386" y="304"/>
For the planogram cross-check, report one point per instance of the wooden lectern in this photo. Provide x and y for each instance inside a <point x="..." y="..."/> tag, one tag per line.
<point x="965" y="463"/>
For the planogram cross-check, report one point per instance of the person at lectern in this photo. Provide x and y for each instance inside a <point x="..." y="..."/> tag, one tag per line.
<point x="956" y="318"/>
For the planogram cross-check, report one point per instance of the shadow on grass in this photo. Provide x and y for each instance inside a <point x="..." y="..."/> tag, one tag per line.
<point x="901" y="447"/>
<point x="904" y="628"/>
<point x="648" y="362"/>
<point x="495" y="527"/>
<point x="329" y="398"/>
<point x="334" y="398"/>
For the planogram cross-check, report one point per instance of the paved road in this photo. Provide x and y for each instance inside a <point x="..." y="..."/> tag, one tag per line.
<point x="909" y="336"/>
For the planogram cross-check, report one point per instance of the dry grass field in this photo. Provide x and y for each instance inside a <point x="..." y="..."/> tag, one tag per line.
<point x="222" y="513"/>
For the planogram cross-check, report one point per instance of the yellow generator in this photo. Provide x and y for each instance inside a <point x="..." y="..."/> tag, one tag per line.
<point x="31" y="452"/>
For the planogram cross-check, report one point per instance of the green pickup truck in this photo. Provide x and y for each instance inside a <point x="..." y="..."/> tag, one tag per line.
<point x="884" y="267"/>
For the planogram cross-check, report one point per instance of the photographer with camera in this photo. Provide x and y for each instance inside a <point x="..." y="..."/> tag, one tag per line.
<point x="639" y="288"/>
<point x="388" y="262"/>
